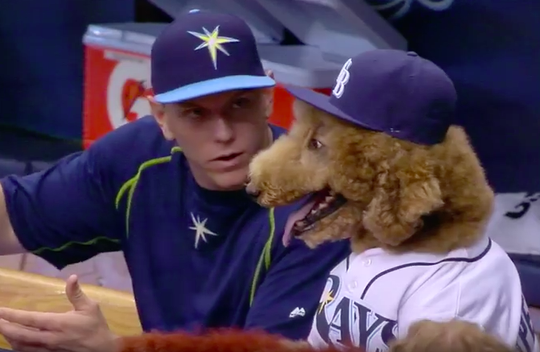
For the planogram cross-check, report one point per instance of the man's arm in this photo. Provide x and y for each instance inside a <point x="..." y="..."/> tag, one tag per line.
<point x="65" y="214"/>
<point x="287" y="299"/>
<point x="9" y="243"/>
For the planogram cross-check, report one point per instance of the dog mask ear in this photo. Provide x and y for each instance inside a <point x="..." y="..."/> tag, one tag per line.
<point x="405" y="190"/>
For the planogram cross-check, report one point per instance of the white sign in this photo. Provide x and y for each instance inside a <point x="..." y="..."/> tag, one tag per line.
<point x="128" y="83"/>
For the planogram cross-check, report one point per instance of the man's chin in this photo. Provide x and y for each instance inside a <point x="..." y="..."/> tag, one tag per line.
<point x="231" y="180"/>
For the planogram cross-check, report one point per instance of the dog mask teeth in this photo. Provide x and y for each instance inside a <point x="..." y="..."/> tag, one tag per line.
<point x="326" y="205"/>
<point x="300" y="223"/>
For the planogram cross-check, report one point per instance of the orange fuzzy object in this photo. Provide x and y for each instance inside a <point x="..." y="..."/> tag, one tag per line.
<point x="222" y="340"/>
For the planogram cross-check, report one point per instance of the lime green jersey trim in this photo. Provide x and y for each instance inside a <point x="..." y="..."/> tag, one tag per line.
<point x="265" y="258"/>
<point x="73" y="243"/>
<point x="130" y="185"/>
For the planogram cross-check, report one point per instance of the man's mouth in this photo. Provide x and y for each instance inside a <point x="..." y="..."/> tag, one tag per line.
<point x="319" y="205"/>
<point x="228" y="157"/>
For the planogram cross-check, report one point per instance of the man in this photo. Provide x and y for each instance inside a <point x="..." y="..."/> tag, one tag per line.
<point x="200" y="252"/>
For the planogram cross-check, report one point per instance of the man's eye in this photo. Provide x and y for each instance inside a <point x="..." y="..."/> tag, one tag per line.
<point x="193" y="113"/>
<point x="240" y="103"/>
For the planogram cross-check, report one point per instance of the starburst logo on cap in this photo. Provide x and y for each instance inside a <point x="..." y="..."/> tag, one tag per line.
<point x="213" y="42"/>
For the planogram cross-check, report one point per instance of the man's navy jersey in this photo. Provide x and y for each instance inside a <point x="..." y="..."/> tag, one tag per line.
<point x="491" y="50"/>
<point x="192" y="253"/>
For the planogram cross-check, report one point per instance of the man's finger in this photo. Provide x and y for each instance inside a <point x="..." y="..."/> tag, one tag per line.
<point x="26" y="348"/>
<point x="21" y="347"/>
<point x="37" y="320"/>
<point x="22" y="335"/>
<point x="76" y="296"/>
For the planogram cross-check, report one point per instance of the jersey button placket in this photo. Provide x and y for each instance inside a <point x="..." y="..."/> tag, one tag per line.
<point x="352" y="285"/>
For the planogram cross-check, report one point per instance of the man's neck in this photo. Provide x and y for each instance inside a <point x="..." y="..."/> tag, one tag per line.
<point x="269" y="138"/>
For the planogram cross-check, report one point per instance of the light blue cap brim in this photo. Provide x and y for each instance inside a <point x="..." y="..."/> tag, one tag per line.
<point x="213" y="86"/>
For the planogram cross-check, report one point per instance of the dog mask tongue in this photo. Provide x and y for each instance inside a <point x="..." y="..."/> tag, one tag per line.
<point x="294" y="217"/>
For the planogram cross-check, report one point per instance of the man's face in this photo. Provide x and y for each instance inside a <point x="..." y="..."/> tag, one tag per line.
<point x="219" y="134"/>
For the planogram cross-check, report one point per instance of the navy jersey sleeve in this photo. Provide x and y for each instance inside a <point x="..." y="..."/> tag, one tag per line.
<point x="66" y="214"/>
<point x="287" y="298"/>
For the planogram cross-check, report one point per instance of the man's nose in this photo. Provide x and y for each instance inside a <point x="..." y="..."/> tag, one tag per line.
<point x="251" y="189"/>
<point x="223" y="131"/>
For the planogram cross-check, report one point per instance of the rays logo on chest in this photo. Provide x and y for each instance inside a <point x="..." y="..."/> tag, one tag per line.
<point x="342" y="321"/>
<point x="201" y="231"/>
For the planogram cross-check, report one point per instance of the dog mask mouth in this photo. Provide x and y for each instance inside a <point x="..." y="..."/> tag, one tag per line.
<point x="318" y="206"/>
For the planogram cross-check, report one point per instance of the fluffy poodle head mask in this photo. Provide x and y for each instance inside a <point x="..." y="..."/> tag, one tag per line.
<point x="378" y="160"/>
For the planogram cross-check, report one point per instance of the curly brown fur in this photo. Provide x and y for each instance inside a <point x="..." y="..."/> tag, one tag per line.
<point x="219" y="340"/>
<point x="401" y="195"/>
<point x="453" y="336"/>
<point x="423" y="336"/>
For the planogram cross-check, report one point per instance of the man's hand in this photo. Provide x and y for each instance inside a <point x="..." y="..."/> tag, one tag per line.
<point x="83" y="329"/>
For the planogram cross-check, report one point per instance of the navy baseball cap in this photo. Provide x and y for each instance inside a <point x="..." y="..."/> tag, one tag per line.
<point x="390" y="91"/>
<point x="202" y="53"/>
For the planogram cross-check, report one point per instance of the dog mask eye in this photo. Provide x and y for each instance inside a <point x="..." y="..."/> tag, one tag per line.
<point x="314" y="144"/>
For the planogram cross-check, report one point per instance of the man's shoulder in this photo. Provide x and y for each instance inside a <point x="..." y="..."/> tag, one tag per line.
<point x="141" y="137"/>
<point x="128" y="147"/>
<point x="277" y="131"/>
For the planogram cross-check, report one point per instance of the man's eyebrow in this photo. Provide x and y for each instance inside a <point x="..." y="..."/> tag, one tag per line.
<point x="247" y="92"/>
<point x="188" y="105"/>
<point x="193" y="105"/>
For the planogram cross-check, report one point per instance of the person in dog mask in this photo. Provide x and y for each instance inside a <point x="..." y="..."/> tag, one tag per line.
<point x="168" y="191"/>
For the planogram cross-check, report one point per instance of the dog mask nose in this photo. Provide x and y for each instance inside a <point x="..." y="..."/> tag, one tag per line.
<point x="251" y="190"/>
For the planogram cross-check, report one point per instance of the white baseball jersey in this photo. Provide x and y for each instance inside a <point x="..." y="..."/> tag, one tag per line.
<point x="374" y="297"/>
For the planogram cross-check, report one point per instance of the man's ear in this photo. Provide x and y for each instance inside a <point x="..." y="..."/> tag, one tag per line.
<point x="158" y="111"/>
<point x="269" y="73"/>
<point x="269" y="101"/>
<point x="269" y="96"/>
